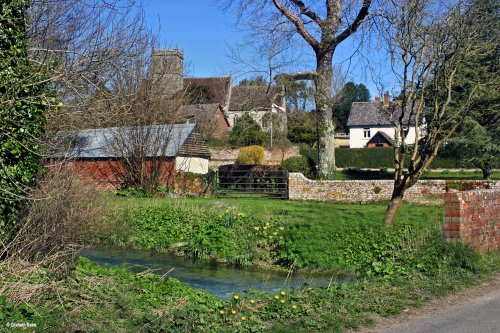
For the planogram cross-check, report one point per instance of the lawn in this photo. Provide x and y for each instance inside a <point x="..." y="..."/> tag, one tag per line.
<point x="355" y="174"/>
<point x="294" y="211"/>
<point x="269" y="233"/>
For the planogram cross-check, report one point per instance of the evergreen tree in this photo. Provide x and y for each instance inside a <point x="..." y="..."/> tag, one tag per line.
<point x="478" y="140"/>
<point x="303" y="127"/>
<point x="254" y="81"/>
<point x="349" y="93"/>
<point x="247" y="132"/>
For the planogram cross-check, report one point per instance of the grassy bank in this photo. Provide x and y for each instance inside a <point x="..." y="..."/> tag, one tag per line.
<point x="395" y="268"/>
<point x="93" y="298"/>
<point x="313" y="235"/>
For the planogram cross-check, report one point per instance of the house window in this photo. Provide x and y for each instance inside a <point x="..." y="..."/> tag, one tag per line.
<point x="366" y="132"/>
<point x="236" y="120"/>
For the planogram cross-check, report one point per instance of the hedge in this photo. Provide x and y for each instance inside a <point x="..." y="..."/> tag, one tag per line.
<point x="375" y="158"/>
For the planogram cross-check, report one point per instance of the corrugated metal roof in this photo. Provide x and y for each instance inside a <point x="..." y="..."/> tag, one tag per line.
<point x="114" y="142"/>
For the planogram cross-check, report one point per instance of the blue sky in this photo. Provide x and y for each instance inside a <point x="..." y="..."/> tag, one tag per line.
<point x="198" y="27"/>
<point x="204" y="32"/>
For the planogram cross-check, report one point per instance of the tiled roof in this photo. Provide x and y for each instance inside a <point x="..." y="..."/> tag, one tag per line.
<point x="113" y="142"/>
<point x="195" y="109"/>
<point x="374" y="114"/>
<point x="218" y="86"/>
<point x="247" y="98"/>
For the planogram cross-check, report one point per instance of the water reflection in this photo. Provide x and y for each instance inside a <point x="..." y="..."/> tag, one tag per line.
<point x="218" y="280"/>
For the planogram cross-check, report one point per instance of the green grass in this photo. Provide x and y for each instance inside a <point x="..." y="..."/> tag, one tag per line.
<point x="94" y="298"/>
<point x="394" y="269"/>
<point x="359" y="174"/>
<point x="459" y="175"/>
<point x="269" y="233"/>
<point x="294" y="211"/>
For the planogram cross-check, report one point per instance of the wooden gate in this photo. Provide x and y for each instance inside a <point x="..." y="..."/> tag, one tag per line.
<point x="251" y="183"/>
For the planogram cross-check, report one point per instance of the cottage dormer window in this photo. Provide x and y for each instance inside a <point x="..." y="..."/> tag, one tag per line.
<point x="366" y="132"/>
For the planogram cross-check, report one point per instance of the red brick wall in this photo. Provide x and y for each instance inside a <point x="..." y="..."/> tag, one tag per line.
<point x="374" y="145"/>
<point x="473" y="217"/>
<point x="105" y="173"/>
<point x="222" y="127"/>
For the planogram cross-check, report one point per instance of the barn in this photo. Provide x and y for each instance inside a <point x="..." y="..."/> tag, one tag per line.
<point x="107" y="155"/>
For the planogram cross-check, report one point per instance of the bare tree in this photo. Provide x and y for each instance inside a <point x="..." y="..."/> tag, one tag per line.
<point x="84" y="47"/>
<point x="62" y="208"/>
<point x="323" y="27"/>
<point x="145" y="142"/>
<point x="78" y="47"/>
<point x="429" y="43"/>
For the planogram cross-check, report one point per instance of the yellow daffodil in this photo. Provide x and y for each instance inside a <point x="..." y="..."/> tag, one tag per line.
<point x="277" y="296"/>
<point x="294" y="306"/>
<point x="236" y="297"/>
<point x="282" y="301"/>
<point x="256" y="228"/>
<point x="222" y="311"/>
<point x="233" y="311"/>
<point x="252" y="301"/>
<point x="243" y="318"/>
<point x="282" y="228"/>
<point x="283" y="293"/>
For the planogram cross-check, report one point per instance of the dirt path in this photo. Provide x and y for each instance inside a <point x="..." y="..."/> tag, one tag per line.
<point x="475" y="309"/>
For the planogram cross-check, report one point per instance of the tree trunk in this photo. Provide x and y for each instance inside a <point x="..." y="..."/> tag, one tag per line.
<point x="323" y="99"/>
<point x="393" y="207"/>
<point x="486" y="172"/>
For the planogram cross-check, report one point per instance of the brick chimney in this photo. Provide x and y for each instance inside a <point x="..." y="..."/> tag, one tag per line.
<point x="386" y="99"/>
<point x="377" y="98"/>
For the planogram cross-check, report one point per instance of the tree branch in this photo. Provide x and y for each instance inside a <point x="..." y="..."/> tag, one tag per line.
<point x="309" y="76"/>
<point x="307" y="12"/>
<point x="363" y="12"/>
<point x="299" y="25"/>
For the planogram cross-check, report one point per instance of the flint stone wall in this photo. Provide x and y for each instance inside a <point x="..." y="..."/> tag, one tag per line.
<point x="301" y="188"/>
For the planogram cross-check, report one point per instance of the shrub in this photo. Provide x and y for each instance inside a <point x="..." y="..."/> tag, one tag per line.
<point x="376" y="158"/>
<point x="251" y="155"/>
<point x="311" y="154"/>
<point x="247" y="132"/>
<point x="297" y="164"/>
<point x="62" y="209"/>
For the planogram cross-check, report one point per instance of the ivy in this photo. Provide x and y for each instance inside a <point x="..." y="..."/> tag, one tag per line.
<point x="23" y="107"/>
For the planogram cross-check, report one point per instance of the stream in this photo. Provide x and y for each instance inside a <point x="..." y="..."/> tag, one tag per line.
<point x="219" y="280"/>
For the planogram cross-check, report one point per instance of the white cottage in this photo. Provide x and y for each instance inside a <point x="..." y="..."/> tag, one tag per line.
<point x="372" y="124"/>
